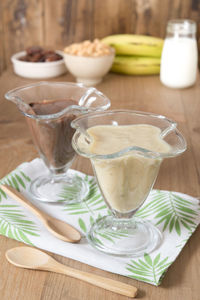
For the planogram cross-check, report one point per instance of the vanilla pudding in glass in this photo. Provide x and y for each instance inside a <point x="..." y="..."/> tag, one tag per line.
<point x="126" y="149"/>
<point x="120" y="177"/>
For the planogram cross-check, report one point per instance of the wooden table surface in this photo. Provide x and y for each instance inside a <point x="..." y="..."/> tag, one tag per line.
<point x="179" y="174"/>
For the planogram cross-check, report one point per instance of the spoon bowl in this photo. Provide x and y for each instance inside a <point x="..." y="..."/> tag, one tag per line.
<point x="26" y="257"/>
<point x="62" y="230"/>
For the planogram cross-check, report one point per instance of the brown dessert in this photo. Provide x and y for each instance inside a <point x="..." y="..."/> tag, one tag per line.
<point x="53" y="137"/>
<point x="38" y="54"/>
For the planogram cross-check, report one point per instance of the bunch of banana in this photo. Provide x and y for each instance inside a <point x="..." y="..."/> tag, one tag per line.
<point x="135" y="54"/>
<point x="135" y="65"/>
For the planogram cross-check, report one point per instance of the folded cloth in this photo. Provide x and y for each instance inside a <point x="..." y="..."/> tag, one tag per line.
<point x="177" y="215"/>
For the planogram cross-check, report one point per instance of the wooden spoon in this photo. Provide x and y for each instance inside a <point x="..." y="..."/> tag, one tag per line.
<point x="57" y="227"/>
<point x="31" y="258"/>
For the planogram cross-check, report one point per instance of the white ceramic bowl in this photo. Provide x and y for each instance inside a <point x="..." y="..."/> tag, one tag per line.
<point x="38" y="69"/>
<point x="87" y="69"/>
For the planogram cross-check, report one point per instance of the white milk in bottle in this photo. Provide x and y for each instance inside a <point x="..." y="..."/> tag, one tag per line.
<point x="179" y="56"/>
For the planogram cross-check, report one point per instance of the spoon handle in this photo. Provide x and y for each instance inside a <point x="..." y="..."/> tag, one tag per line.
<point x="102" y="282"/>
<point x="10" y="191"/>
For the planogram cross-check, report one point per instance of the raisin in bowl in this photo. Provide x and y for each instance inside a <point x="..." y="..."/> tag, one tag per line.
<point x="36" y="62"/>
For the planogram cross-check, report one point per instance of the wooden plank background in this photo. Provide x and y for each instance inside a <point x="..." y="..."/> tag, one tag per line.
<point x="57" y="23"/>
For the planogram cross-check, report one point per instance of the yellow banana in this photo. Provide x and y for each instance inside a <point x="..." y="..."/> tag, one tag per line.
<point x="132" y="44"/>
<point x="134" y="65"/>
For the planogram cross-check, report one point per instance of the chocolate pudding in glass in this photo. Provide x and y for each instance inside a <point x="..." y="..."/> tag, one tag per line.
<point x="49" y="109"/>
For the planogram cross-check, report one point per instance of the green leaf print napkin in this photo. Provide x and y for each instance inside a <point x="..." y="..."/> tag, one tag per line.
<point x="176" y="215"/>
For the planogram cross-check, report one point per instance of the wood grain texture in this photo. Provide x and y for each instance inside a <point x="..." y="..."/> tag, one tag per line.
<point x="56" y="24"/>
<point x="68" y="21"/>
<point x="111" y="17"/>
<point x="2" y="58"/>
<point x="22" y="25"/>
<point x="181" y="281"/>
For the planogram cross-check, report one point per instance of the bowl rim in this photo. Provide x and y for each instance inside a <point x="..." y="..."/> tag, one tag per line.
<point x="15" y="60"/>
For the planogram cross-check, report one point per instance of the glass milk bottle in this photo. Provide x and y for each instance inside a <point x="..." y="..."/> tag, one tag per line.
<point x="179" y="56"/>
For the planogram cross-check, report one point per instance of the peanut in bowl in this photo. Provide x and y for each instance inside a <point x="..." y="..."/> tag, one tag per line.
<point x="89" y="61"/>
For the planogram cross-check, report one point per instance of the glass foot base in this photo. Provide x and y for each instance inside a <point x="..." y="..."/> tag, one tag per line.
<point x="59" y="189"/>
<point x="132" y="237"/>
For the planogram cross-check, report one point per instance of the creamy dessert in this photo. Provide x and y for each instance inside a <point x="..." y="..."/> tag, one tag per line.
<point x="53" y="137"/>
<point x="126" y="179"/>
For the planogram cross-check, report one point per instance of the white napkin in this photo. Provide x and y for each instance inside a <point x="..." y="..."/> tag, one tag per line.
<point x="176" y="215"/>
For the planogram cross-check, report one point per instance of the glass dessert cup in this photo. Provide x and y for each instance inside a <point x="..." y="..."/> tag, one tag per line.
<point x="125" y="179"/>
<point x="49" y="108"/>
